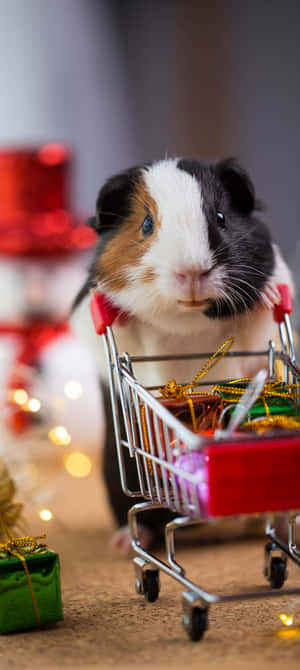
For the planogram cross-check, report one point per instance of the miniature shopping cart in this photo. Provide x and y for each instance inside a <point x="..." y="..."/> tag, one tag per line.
<point x="234" y="466"/>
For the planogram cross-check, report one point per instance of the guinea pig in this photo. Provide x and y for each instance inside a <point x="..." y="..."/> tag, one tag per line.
<point x="184" y="253"/>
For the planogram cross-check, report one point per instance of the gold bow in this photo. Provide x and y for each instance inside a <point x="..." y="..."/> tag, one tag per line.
<point x="26" y="545"/>
<point x="275" y="421"/>
<point x="270" y="390"/>
<point x="177" y="391"/>
<point x="174" y="390"/>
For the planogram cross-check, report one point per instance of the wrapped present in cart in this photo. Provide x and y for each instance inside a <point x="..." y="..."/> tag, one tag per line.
<point x="201" y="455"/>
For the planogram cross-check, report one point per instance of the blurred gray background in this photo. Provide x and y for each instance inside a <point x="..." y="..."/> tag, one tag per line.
<point x="124" y="81"/>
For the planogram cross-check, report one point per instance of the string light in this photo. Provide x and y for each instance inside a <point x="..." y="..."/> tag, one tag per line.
<point x="33" y="405"/>
<point x="287" y="620"/>
<point x="73" y="389"/>
<point x="20" y="396"/>
<point x="59" y="435"/>
<point x="78" y="464"/>
<point x="46" y="515"/>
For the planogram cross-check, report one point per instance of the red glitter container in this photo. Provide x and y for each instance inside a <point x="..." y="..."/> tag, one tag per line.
<point x="35" y="216"/>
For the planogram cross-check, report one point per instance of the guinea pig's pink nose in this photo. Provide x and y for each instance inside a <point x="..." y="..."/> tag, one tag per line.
<point x="187" y="276"/>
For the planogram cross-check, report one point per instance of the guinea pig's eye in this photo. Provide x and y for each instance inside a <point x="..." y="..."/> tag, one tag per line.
<point x="148" y="225"/>
<point x="221" y="219"/>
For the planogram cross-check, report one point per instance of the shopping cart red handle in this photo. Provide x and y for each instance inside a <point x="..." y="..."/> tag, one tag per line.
<point x="104" y="312"/>
<point x="285" y="306"/>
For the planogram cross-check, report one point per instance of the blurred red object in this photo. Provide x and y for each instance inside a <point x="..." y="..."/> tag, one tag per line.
<point x="35" y="217"/>
<point x="253" y="476"/>
<point x="32" y="338"/>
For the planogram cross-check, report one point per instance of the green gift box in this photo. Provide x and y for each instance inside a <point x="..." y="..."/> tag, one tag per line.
<point x="17" y="610"/>
<point x="275" y="398"/>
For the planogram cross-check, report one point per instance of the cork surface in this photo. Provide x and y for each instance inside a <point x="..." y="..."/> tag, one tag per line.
<point x="108" y="625"/>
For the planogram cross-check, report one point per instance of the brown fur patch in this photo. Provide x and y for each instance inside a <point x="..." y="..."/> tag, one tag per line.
<point x="129" y="244"/>
<point x="148" y="275"/>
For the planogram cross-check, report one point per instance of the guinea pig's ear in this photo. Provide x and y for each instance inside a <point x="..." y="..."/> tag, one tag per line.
<point x="238" y="185"/>
<point x="113" y="202"/>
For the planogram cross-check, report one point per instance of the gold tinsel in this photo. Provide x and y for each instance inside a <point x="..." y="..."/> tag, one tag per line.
<point x="10" y="511"/>
<point x="275" y="421"/>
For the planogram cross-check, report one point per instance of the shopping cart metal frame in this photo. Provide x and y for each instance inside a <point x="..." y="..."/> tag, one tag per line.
<point x="163" y="485"/>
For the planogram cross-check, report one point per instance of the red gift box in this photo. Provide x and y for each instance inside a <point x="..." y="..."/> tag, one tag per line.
<point x="206" y="408"/>
<point x="248" y="477"/>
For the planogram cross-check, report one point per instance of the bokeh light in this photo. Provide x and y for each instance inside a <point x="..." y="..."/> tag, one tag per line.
<point x="73" y="389"/>
<point x="59" y="435"/>
<point x="20" y="396"/>
<point x="287" y="620"/>
<point x="45" y="515"/>
<point x="78" y="464"/>
<point x="33" y="405"/>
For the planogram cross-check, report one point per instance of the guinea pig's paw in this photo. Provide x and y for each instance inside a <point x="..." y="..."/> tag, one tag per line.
<point x="121" y="540"/>
<point x="270" y="295"/>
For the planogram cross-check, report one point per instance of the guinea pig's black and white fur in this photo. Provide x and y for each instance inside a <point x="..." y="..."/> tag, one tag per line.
<point x="182" y="250"/>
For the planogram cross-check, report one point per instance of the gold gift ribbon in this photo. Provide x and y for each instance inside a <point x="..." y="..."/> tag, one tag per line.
<point x="145" y="434"/>
<point x="27" y="545"/>
<point x="177" y="391"/>
<point x="274" y="421"/>
<point x="270" y="390"/>
<point x="173" y="390"/>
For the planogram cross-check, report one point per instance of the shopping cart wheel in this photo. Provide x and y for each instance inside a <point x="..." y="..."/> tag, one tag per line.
<point x="151" y="585"/>
<point x="196" y="622"/>
<point x="277" y="572"/>
<point x="147" y="581"/>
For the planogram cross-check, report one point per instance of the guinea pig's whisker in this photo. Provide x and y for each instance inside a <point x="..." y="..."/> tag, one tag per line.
<point x="239" y="266"/>
<point x="237" y="288"/>
<point x="235" y="273"/>
<point x="227" y="298"/>
<point x="236" y="294"/>
<point x="243" y="281"/>
<point x="238" y="300"/>
<point x="218" y="252"/>
<point x="219" y="306"/>
<point x="234" y="244"/>
<point x="231" y="303"/>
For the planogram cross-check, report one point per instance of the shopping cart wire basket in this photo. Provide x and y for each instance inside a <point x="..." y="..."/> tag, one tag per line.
<point x="200" y="478"/>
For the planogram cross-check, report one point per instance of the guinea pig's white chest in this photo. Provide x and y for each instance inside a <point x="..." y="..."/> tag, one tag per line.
<point x="250" y="332"/>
